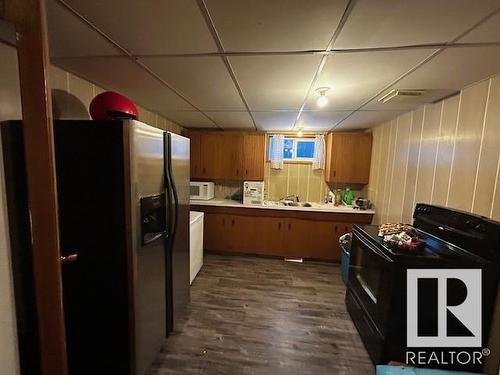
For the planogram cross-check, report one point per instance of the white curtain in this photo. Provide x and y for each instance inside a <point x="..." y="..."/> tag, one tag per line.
<point x="319" y="152"/>
<point x="276" y="143"/>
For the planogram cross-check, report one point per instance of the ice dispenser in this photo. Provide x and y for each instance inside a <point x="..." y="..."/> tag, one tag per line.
<point x="153" y="223"/>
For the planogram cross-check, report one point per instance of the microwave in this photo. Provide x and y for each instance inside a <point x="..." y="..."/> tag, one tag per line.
<point x="201" y="190"/>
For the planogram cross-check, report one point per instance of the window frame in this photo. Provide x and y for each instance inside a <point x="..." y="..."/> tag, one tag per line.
<point x="294" y="159"/>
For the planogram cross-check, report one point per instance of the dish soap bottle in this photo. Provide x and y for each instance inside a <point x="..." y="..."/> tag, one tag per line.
<point x="348" y="197"/>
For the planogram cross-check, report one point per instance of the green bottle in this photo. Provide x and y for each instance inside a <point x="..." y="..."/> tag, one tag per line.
<point x="348" y="197"/>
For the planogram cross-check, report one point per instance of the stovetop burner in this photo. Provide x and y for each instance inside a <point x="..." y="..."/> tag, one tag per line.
<point x="434" y="248"/>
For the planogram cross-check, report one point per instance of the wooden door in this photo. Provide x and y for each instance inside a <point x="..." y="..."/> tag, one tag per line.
<point x="314" y="239"/>
<point x="240" y="233"/>
<point x="195" y="154"/>
<point x="296" y="238"/>
<point x="215" y="228"/>
<point x="230" y="148"/>
<point x="211" y="155"/>
<point x="253" y="158"/>
<point x="269" y="235"/>
<point x="349" y="156"/>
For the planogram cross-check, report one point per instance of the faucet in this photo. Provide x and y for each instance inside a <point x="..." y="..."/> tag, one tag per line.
<point x="293" y="198"/>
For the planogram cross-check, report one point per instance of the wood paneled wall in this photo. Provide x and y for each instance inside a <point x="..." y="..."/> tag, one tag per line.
<point x="71" y="97"/>
<point x="447" y="153"/>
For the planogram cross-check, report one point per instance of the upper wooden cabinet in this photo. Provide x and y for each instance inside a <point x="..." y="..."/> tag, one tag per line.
<point x="254" y="156"/>
<point x="195" y="159"/>
<point x="227" y="155"/>
<point x="348" y="157"/>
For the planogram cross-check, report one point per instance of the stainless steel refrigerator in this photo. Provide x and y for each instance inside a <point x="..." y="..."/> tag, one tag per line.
<point x="123" y="192"/>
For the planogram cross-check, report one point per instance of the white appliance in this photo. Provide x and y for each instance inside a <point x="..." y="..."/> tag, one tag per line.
<point x="253" y="192"/>
<point x="201" y="190"/>
<point x="196" y="243"/>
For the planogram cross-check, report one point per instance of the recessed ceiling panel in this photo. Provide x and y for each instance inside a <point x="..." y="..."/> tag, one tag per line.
<point x="232" y="120"/>
<point x="383" y="23"/>
<point x="487" y="32"/>
<point x="190" y="119"/>
<point x="354" y="78"/>
<point x="69" y="36"/>
<point x="279" y="120"/>
<point x="277" y="25"/>
<point x="150" y="27"/>
<point x="366" y="119"/>
<point x="204" y="80"/>
<point x="126" y="77"/>
<point x="275" y="82"/>
<point x="320" y="120"/>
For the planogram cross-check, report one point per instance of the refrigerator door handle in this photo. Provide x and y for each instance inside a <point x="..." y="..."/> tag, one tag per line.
<point x="174" y="191"/>
<point x="168" y="184"/>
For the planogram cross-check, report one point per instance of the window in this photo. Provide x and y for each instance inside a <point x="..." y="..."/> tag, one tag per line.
<point x="296" y="149"/>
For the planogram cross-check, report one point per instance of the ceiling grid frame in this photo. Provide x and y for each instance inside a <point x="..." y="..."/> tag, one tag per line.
<point x="420" y="64"/>
<point x="218" y="42"/>
<point x="135" y="59"/>
<point x="336" y="33"/>
<point x="352" y="113"/>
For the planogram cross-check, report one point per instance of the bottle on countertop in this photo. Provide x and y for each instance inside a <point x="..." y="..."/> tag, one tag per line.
<point x="338" y="197"/>
<point x="348" y="197"/>
<point x="330" y="197"/>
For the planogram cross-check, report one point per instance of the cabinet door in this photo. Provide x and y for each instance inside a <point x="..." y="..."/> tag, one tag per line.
<point x="195" y="155"/>
<point x="269" y="235"/>
<point x="230" y="148"/>
<point x="215" y="227"/>
<point x="253" y="158"/>
<point x="240" y="233"/>
<point x="350" y="156"/>
<point x="211" y="155"/>
<point x="314" y="239"/>
<point x="296" y="238"/>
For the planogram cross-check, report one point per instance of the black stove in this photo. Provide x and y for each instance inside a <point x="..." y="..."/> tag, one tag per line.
<point x="376" y="295"/>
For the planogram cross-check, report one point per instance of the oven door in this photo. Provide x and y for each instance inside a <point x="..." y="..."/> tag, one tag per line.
<point x="371" y="274"/>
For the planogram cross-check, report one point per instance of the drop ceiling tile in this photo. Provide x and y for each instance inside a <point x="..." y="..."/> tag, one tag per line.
<point x="275" y="82"/>
<point x="321" y="120"/>
<point x="232" y="120"/>
<point x="278" y="25"/>
<point x="448" y="72"/>
<point x="126" y="77"/>
<point x="487" y="32"/>
<point x="69" y="36"/>
<point x="383" y="23"/>
<point x="190" y="119"/>
<point x="354" y="78"/>
<point x="366" y="119"/>
<point x="150" y="27"/>
<point x="279" y="120"/>
<point x="204" y="80"/>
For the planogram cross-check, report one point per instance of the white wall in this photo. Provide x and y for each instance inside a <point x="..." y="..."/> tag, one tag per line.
<point x="10" y="108"/>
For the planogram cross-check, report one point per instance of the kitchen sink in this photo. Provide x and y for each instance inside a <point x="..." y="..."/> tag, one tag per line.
<point x="289" y="204"/>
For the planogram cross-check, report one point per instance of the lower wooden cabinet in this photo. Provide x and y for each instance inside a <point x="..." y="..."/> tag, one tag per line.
<point x="314" y="237"/>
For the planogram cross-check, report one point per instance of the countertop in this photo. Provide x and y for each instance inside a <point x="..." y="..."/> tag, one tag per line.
<point x="316" y="207"/>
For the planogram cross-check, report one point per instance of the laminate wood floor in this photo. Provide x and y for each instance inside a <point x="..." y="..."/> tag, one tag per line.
<point x="251" y="315"/>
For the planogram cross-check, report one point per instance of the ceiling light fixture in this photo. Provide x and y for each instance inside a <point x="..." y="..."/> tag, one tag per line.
<point x="300" y="133"/>
<point x="323" y="99"/>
